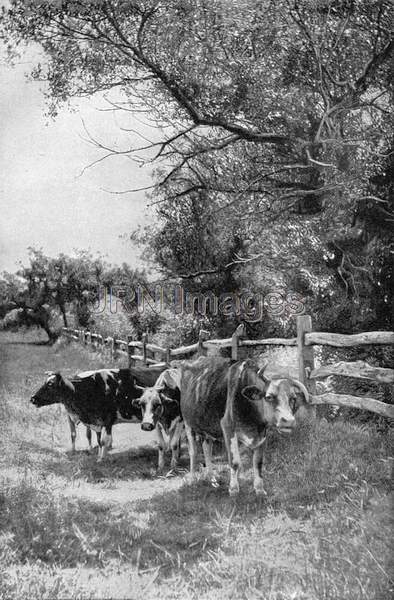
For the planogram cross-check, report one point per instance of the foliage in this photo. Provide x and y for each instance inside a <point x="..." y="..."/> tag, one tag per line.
<point x="58" y="285"/>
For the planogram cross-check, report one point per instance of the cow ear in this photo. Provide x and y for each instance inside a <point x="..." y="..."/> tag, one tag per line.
<point x="62" y="382"/>
<point x="252" y="393"/>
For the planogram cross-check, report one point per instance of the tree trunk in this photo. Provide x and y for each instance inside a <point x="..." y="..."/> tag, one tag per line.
<point x="64" y="315"/>
<point x="41" y="317"/>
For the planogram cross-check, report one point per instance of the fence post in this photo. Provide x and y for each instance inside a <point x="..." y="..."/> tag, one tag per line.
<point x="168" y="355"/>
<point x="306" y="356"/>
<point x="238" y="333"/>
<point x="111" y="343"/>
<point x="202" y="336"/>
<point x="130" y="351"/>
<point x="144" y="340"/>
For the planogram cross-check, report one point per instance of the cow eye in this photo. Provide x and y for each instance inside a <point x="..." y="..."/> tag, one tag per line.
<point x="269" y="398"/>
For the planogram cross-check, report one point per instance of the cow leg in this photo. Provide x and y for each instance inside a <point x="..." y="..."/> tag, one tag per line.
<point x="207" y="449"/>
<point x="161" y="445"/>
<point x="106" y="444"/>
<point x="100" y="441"/>
<point x="73" y="433"/>
<point x="234" y="459"/>
<point x="235" y="462"/>
<point x="89" y="437"/>
<point x="258" y="471"/>
<point x="191" y="438"/>
<point x="175" y="444"/>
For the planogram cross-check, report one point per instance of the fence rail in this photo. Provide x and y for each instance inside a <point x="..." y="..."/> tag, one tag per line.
<point x="146" y="353"/>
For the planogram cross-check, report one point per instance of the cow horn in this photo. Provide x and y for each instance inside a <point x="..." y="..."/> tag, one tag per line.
<point x="168" y="399"/>
<point x="260" y="373"/>
<point x="302" y="388"/>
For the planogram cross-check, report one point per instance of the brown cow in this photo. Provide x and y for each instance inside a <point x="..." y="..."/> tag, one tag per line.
<point x="235" y="402"/>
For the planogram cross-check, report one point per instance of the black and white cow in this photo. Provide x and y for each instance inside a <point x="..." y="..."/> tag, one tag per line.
<point x="234" y="401"/>
<point x="98" y="399"/>
<point x="160" y="406"/>
<point x="73" y="419"/>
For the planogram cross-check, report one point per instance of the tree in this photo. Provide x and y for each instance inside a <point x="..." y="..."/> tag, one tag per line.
<point x="47" y="287"/>
<point x="275" y="112"/>
<point x="293" y="79"/>
<point x="27" y="301"/>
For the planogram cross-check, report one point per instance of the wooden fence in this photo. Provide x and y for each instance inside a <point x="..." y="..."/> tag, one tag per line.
<point x="146" y="353"/>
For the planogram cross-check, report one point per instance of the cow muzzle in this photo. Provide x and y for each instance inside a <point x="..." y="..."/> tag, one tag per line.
<point x="286" y="425"/>
<point x="147" y="426"/>
<point x="34" y="400"/>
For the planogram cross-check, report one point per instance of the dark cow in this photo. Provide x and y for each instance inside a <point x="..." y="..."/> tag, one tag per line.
<point x="235" y="402"/>
<point x="160" y="406"/>
<point x="99" y="399"/>
<point x="73" y="419"/>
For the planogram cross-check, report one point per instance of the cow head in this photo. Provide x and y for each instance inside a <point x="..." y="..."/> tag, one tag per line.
<point x="276" y="400"/>
<point x="155" y="400"/>
<point x="283" y="397"/>
<point x="48" y="393"/>
<point x="128" y="389"/>
<point x="127" y="393"/>
<point x="151" y="405"/>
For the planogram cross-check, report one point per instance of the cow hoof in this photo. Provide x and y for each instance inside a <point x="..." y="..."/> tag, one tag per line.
<point x="233" y="491"/>
<point x="260" y="491"/>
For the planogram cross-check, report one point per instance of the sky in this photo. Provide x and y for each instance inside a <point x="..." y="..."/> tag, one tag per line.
<point x="47" y="199"/>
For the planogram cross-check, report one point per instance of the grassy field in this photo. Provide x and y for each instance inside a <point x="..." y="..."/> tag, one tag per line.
<point x="70" y="528"/>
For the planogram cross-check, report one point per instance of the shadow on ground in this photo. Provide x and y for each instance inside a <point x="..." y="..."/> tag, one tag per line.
<point x="135" y="463"/>
<point x="170" y="530"/>
<point x="26" y="343"/>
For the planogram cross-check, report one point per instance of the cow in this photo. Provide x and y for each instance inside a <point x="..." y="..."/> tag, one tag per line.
<point x="73" y="419"/>
<point x="160" y="406"/>
<point x="235" y="402"/>
<point x="99" y="399"/>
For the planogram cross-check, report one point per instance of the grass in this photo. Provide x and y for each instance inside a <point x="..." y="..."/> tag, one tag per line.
<point x="70" y="528"/>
